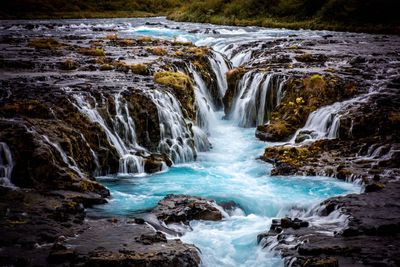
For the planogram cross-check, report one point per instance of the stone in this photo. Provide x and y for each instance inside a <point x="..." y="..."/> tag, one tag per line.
<point x="182" y="208"/>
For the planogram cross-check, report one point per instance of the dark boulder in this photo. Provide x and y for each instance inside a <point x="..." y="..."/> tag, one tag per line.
<point x="182" y="208"/>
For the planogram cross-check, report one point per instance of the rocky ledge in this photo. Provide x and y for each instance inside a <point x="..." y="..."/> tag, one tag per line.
<point x="370" y="236"/>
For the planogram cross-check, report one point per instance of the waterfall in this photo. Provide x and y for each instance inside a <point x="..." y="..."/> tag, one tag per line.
<point x="70" y="162"/>
<point x="258" y="93"/>
<point x="321" y="123"/>
<point x="121" y="134"/>
<point x="175" y="137"/>
<point x="220" y="67"/>
<point x="6" y="165"/>
<point x="205" y="113"/>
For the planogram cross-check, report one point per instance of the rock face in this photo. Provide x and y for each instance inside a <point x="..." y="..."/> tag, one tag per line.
<point x="128" y="244"/>
<point x="370" y="237"/>
<point x="182" y="208"/>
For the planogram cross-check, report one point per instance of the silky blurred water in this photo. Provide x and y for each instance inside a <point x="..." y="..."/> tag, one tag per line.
<point x="229" y="171"/>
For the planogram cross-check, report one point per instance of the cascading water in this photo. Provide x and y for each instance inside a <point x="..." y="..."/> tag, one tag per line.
<point x="220" y="66"/>
<point x="325" y="121"/>
<point x="205" y="109"/>
<point x="228" y="171"/>
<point x="120" y="134"/>
<point x="70" y="162"/>
<point x="257" y="94"/>
<point x="6" y="165"/>
<point x="176" y="140"/>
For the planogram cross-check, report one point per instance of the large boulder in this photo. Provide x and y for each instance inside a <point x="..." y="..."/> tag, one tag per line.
<point x="182" y="208"/>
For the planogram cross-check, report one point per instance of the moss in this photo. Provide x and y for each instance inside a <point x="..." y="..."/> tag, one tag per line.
<point x="92" y="51"/>
<point x="45" y="43"/>
<point x="141" y="69"/>
<point x="306" y="57"/>
<point x="179" y="43"/>
<point x="69" y="64"/>
<point x="374" y="187"/>
<point x="293" y="156"/>
<point x="197" y="51"/>
<point x="86" y="186"/>
<point x="121" y="66"/>
<point x="112" y="37"/>
<point x="159" y="51"/>
<point x="145" y="39"/>
<point x="175" y="80"/>
<point x="182" y="87"/>
<point x="106" y="67"/>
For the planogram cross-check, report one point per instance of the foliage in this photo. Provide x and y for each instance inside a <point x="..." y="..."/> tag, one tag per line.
<point x="356" y="15"/>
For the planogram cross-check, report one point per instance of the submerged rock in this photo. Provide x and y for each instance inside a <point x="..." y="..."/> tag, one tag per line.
<point x="182" y="208"/>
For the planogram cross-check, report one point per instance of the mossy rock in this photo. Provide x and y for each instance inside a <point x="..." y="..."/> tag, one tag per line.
<point x="182" y="87"/>
<point x="69" y="64"/>
<point x="92" y="51"/>
<point x="140" y="69"/>
<point x="233" y="76"/>
<point x="45" y="43"/>
<point x="158" y="51"/>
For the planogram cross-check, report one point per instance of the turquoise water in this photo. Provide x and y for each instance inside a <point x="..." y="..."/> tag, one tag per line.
<point x="229" y="171"/>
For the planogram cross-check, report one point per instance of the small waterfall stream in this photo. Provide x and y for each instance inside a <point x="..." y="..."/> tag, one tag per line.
<point x="6" y="165"/>
<point x="258" y="93"/>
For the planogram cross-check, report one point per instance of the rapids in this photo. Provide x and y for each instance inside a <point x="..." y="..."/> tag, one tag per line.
<point x="229" y="171"/>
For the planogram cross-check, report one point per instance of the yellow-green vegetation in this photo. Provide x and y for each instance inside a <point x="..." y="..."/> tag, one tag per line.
<point x="159" y="51"/>
<point x="294" y="156"/>
<point x="106" y="67"/>
<point x="141" y="69"/>
<point x="146" y="39"/>
<point x="180" y="43"/>
<point x="45" y="43"/>
<point x="303" y="96"/>
<point x="306" y="57"/>
<point x="182" y="87"/>
<point x="175" y="80"/>
<point x="367" y="15"/>
<point x="92" y="51"/>
<point x="112" y="37"/>
<point x="196" y="51"/>
<point x="69" y="64"/>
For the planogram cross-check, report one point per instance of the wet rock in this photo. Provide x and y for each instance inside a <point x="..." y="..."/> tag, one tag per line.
<point x="125" y="244"/>
<point x="374" y="187"/>
<point x="155" y="163"/>
<point x="182" y="208"/>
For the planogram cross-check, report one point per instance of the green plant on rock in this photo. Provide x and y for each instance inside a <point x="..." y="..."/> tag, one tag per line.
<point x="69" y="64"/>
<point x="92" y="51"/>
<point x="140" y="69"/>
<point x="175" y="80"/>
<point x="45" y="43"/>
<point x="158" y="51"/>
